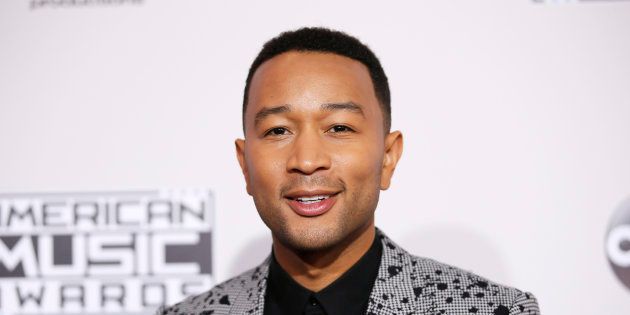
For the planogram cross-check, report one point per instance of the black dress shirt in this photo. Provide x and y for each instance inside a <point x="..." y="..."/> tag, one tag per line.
<point x="348" y="295"/>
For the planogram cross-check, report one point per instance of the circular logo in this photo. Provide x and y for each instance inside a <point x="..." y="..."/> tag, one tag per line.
<point x="618" y="242"/>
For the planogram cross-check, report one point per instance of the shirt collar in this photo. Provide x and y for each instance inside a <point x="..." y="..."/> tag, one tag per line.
<point x="348" y="294"/>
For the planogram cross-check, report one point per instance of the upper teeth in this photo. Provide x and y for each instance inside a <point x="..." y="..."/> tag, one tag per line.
<point x="311" y="199"/>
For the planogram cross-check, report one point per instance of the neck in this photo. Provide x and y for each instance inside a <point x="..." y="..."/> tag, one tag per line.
<point x="317" y="269"/>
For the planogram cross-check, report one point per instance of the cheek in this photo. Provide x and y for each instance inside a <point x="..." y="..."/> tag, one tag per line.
<point x="360" y="163"/>
<point x="265" y="171"/>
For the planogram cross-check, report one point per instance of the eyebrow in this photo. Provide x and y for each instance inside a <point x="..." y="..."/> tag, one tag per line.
<point x="268" y="111"/>
<point x="349" y="106"/>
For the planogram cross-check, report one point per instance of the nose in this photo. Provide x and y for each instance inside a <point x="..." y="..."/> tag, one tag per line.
<point x="309" y="154"/>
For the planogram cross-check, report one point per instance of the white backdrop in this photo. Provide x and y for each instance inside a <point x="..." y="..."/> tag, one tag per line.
<point x="515" y="116"/>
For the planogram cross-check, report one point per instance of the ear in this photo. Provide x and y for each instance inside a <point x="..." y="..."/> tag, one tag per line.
<point x="393" y="152"/>
<point x="240" y="155"/>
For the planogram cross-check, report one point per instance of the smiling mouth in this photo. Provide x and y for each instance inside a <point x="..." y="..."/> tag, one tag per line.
<point x="310" y="200"/>
<point x="313" y="205"/>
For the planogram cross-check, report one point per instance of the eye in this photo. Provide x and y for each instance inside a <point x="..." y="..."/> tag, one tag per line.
<point x="278" y="131"/>
<point x="340" y="128"/>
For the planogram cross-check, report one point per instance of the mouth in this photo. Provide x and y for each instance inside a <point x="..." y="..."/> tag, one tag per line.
<point x="310" y="204"/>
<point x="310" y="200"/>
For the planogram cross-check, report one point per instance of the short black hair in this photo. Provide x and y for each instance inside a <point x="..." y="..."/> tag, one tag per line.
<point x="320" y="39"/>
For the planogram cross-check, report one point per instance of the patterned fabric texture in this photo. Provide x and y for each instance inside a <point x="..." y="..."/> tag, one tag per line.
<point x="405" y="284"/>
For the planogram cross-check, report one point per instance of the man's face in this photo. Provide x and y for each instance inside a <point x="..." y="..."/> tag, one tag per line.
<point x="315" y="154"/>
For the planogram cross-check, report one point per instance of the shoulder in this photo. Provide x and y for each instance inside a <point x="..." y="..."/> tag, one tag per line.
<point x="452" y="289"/>
<point x="409" y="282"/>
<point x="222" y="297"/>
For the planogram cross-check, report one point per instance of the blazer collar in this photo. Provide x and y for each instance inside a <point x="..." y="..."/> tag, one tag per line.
<point x="251" y="300"/>
<point x="394" y="291"/>
<point x="397" y="288"/>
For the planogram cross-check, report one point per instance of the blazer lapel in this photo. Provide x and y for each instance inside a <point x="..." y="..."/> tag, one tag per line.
<point x="251" y="300"/>
<point x="398" y="289"/>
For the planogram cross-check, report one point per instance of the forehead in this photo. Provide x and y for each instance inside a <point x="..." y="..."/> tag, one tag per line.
<point x="308" y="79"/>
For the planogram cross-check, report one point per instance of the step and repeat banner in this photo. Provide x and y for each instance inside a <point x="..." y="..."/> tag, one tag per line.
<point x="110" y="252"/>
<point x="515" y="115"/>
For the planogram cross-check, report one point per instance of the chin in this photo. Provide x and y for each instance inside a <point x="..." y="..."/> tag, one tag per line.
<point x="310" y="238"/>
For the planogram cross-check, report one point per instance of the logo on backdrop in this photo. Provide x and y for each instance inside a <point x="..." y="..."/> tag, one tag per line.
<point x="103" y="253"/>
<point x="618" y="242"/>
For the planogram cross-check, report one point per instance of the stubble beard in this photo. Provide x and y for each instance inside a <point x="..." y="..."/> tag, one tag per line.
<point x="354" y="217"/>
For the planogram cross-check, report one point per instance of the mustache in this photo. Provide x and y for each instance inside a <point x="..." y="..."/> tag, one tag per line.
<point x="315" y="181"/>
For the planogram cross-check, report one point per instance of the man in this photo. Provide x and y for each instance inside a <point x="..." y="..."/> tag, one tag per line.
<point x="317" y="151"/>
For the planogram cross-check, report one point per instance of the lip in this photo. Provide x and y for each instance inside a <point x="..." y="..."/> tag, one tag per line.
<point x="311" y="209"/>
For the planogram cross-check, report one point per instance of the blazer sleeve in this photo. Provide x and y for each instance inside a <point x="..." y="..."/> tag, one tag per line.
<point x="525" y="304"/>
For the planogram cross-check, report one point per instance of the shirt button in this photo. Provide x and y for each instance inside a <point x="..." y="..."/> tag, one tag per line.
<point x="313" y="301"/>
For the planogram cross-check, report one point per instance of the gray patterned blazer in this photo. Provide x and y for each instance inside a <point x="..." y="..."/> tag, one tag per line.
<point x="405" y="284"/>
